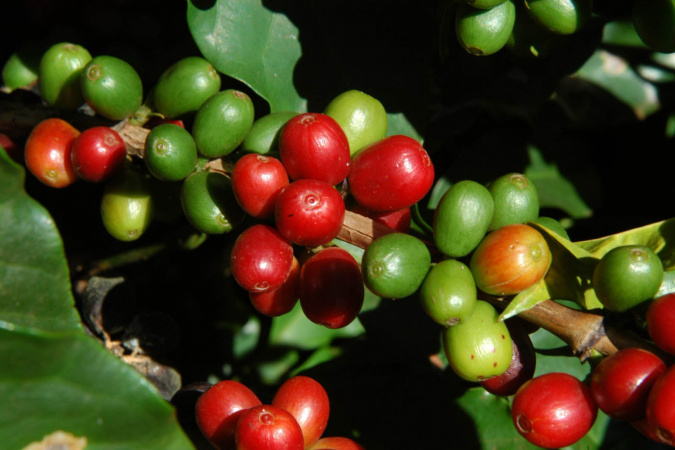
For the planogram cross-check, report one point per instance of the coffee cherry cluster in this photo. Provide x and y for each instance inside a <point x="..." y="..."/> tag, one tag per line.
<point x="231" y="416"/>
<point x="535" y="27"/>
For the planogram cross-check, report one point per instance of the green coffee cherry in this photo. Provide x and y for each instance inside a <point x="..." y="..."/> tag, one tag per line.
<point x="21" y="68"/>
<point x="462" y="218"/>
<point x="127" y="206"/>
<point x="209" y="203"/>
<point x="516" y="200"/>
<point x="263" y="138"/>
<point x="185" y="86"/>
<point x="480" y="347"/>
<point x="362" y="118"/>
<point x="484" y="4"/>
<point x="395" y="265"/>
<point x="627" y="276"/>
<point x="484" y="31"/>
<point x="448" y="294"/>
<point x="223" y="122"/>
<point x="59" y="75"/>
<point x="111" y="87"/>
<point x="560" y="16"/>
<point x="170" y="152"/>
<point x="654" y="22"/>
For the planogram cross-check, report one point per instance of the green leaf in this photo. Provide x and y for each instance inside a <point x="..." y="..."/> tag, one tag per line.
<point x="399" y="124"/>
<point x="614" y="74"/>
<point x="35" y="288"/>
<point x="252" y="44"/>
<point x="294" y="329"/>
<point x="492" y="418"/>
<point x="659" y="236"/>
<point x="66" y="381"/>
<point x="555" y="191"/>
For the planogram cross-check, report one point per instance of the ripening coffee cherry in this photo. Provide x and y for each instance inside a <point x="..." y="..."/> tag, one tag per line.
<point x="111" y="87"/>
<point x="59" y="75"/>
<point x="183" y="87"/>
<point x="314" y="146"/>
<point x="218" y="409"/>
<point x="331" y="288"/>
<point x="47" y="152"/>
<point x="480" y="347"/>
<point x="510" y="259"/>
<point x="98" y="153"/>
<point x="462" y="217"/>
<point x="261" y="259"/>
<point x="621" y="382"/>
<point x="391" y="174"/>
<point x="395" y="265"/>
<point x="553" y="410"/>
<point x="222" y="123"/>
<point x="627" y="276"/>
<point x="361" y="116"/>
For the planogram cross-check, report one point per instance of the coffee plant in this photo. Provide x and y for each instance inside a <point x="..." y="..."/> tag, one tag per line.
<point x="246" y="224"/>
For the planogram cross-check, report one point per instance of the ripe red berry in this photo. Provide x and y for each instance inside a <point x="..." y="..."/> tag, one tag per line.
<point x="218" y="409"/>
<point x="268" y="427"/>
<point x="282" y="300"/>
<point x="257" y="181"/>
<point x="261" y="259"/>
<point x="309" y="212"/>
<point x="553" y="410"/>
<point x="47" y="152"/>
<point x="660" y="318"/>
<point x="313" y="145"/>
<point x="307" y="400"/>
<point x="336" y="443"/>
<point x="98" y="153"/>
<point x="660" y="410"/>
<point x="621" y="382"/>
<point x="331" y="288"/>
<point x="391" y="174"/>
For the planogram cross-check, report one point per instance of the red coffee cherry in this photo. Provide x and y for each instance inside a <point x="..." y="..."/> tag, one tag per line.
<point x="261" y="259"/>
<point x="660" y="410"/>
<point x="47" y="152"/>
<point x="268" y="427"/>
<point x="98" y="153"/>
<point x="307" y="400"/>
<point x="621" y="382"/>
<point x="391" y="174"/>
<point x="660" y="318"/>
<point x="331" y="288"/>
<point x="218" y="409"/>
<point x="309" y="212"/>
<point x="553" y="410"/>
<point x="257" y="181"/>
<point x="282" y="300"/>
<point x="313" y="145"/>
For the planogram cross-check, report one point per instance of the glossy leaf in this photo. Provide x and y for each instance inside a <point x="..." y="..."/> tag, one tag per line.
<point x="67" y="381"/>
<point x="252" y="44"/>
<point x="35" y="289"/>
<point x="555" y="191"/>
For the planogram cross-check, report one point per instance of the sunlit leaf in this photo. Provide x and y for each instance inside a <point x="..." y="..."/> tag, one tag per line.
<point x="252" y="44"/>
